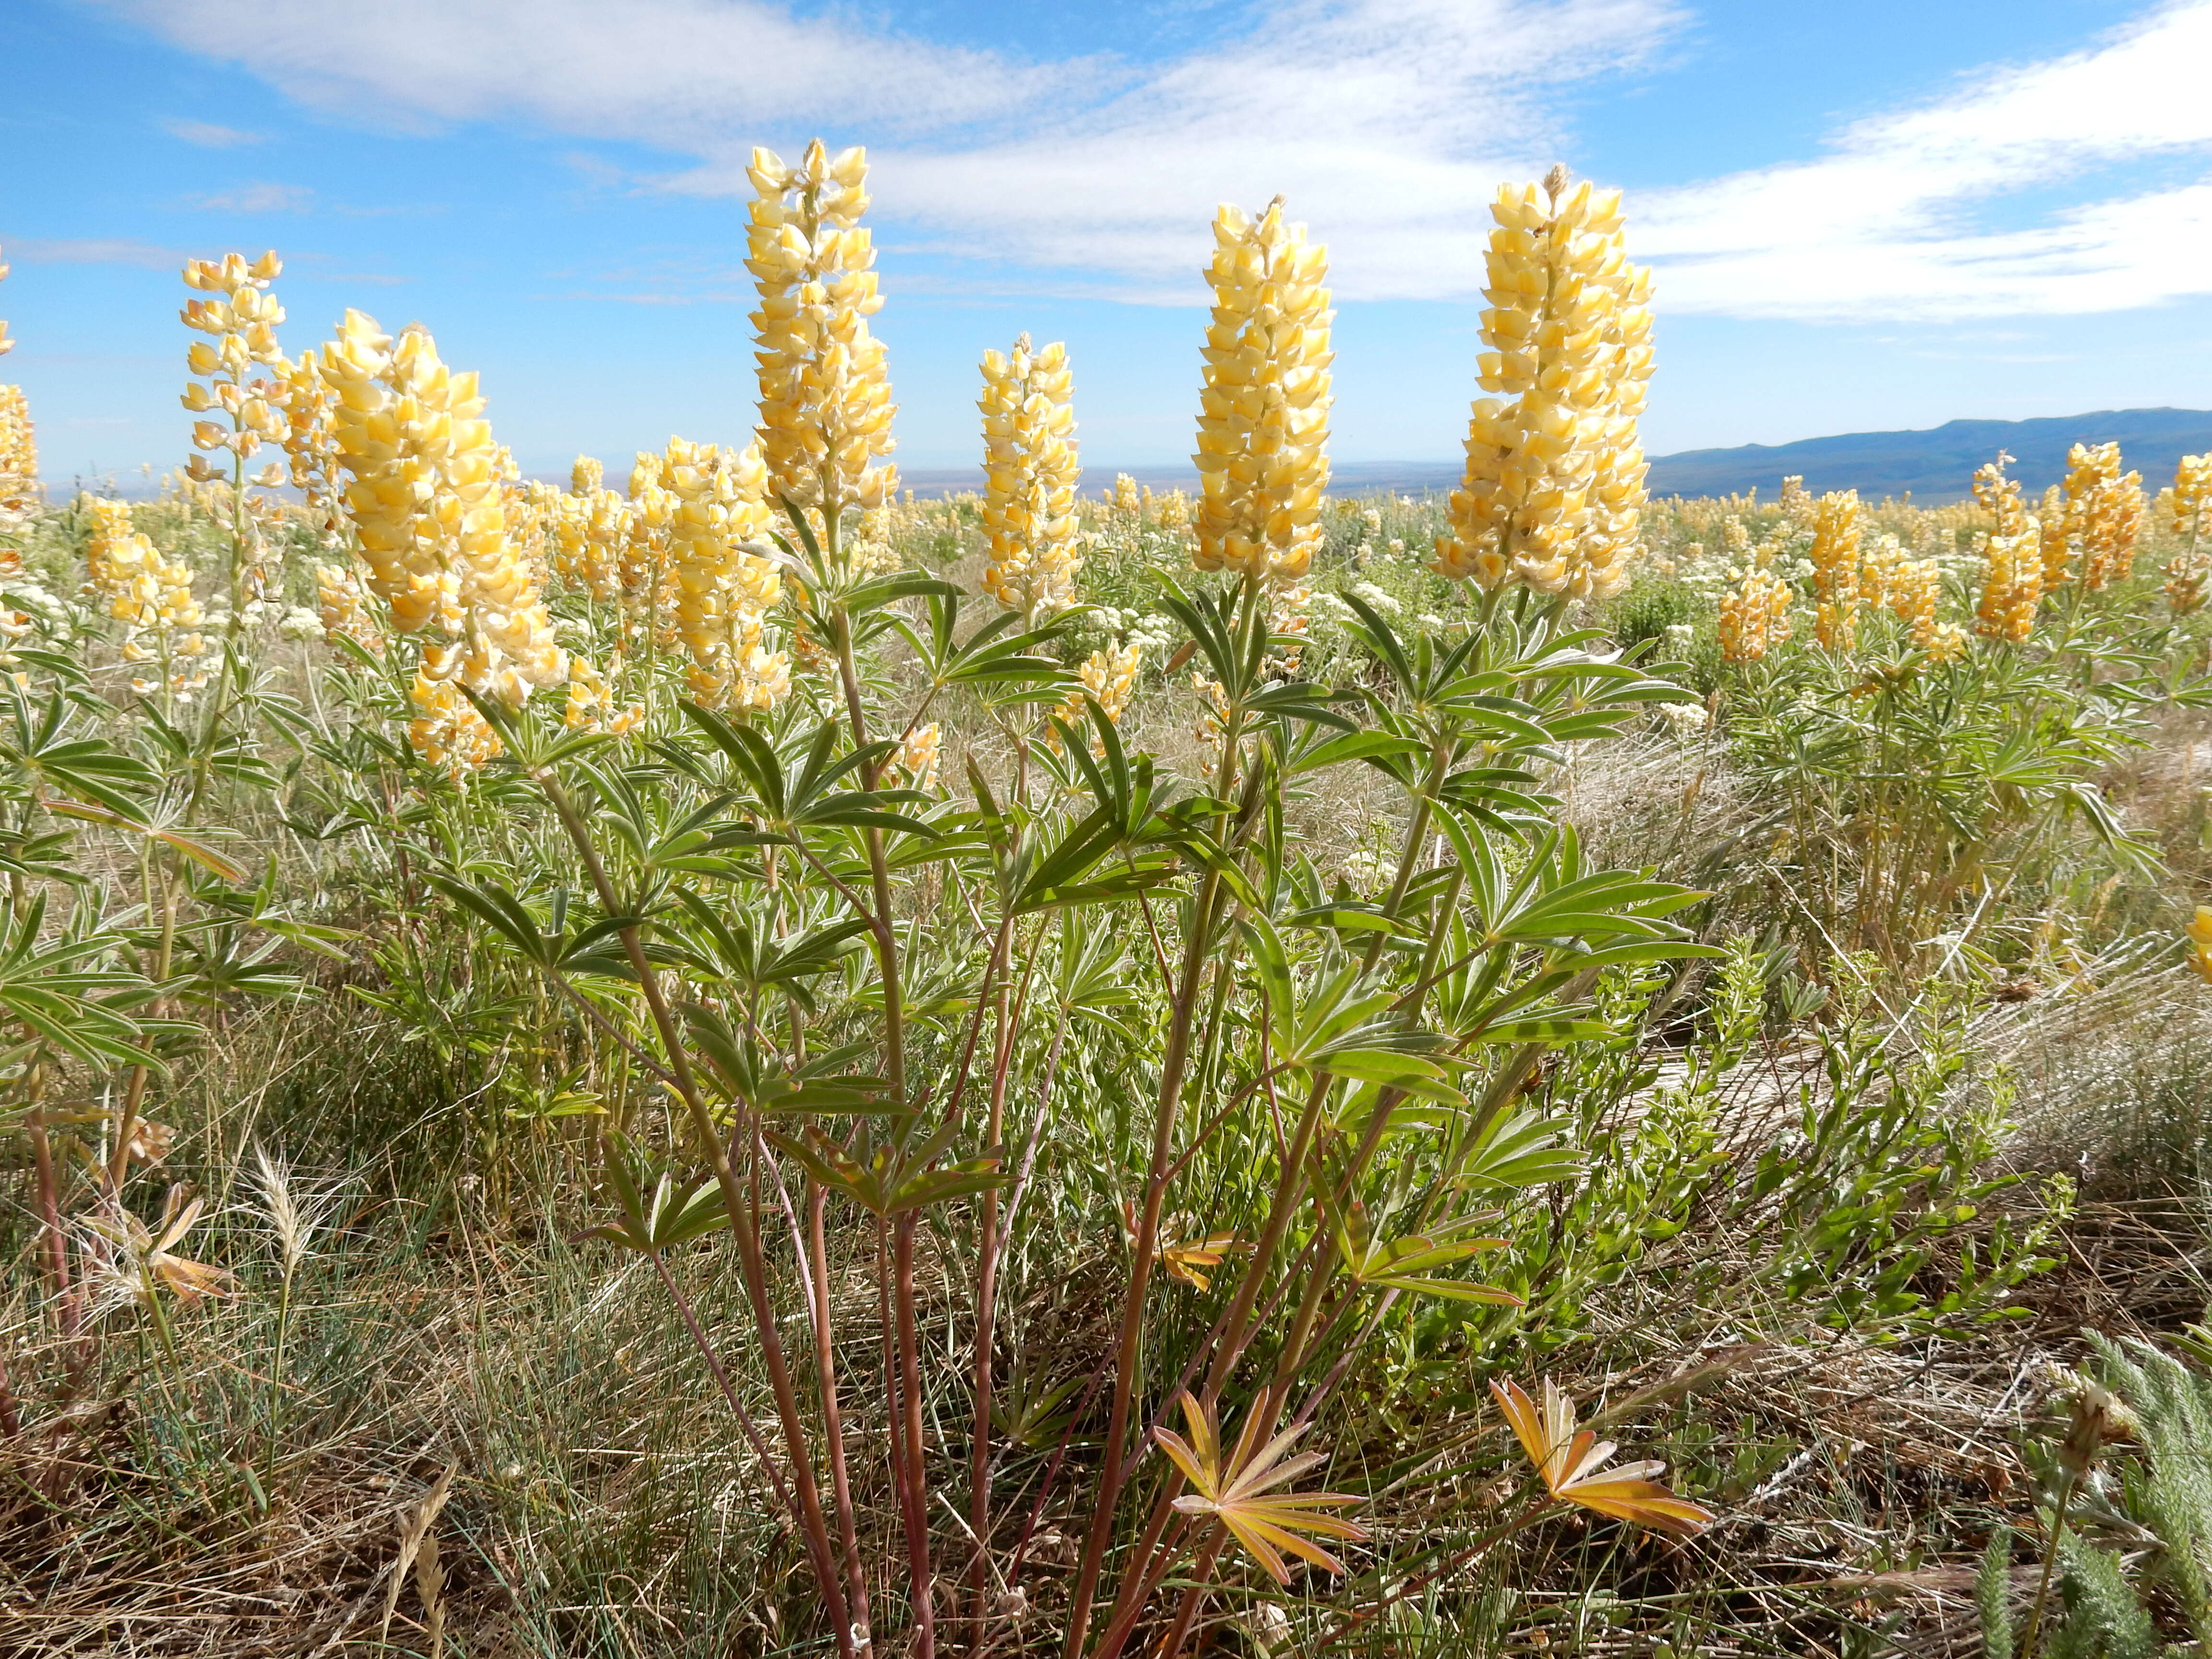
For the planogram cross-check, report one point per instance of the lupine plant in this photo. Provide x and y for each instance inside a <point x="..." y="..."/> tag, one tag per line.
<point x="1077" y="1133"/>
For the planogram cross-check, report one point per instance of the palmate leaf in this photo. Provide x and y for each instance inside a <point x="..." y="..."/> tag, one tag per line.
<point x="739" y="1067"/>
<point x="1004" y="670"/>
<point x="1570" y="1463"/>
<point x="1238" y="1491"/>
<point x="1515" y="1150"/>
<point x="1411" y="1263"/>
<point x="890" y="1175"/>
<point x="50" y="993"/>
<point x="673" y="1210"/>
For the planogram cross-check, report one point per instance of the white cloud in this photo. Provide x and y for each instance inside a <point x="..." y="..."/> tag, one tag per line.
<point x="207" y="135"/>
<point x="1894" y="223"/>
<point x="679" y="73"/>
<point x="258" y="198"/>
<point x="1388" y="123"/>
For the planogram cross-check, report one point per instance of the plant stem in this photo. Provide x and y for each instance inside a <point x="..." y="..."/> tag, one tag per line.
<point x="2050" y="1560"/>
<point x="909" y="1356"/>
<point x="813" y="1527"/>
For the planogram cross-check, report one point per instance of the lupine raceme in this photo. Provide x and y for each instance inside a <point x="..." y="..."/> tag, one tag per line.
<point x="2187" y="509"/>
<point x="428" y="506"/>
<point x="2197" y="936"/>
<point x="1754" y="615"/>
<point x="1107" y="677"/>
<point x="240" y="323"/>
<point x="2103" y="513"/>
<point x="1031" y="471"/>
<point x="1837" y="523"/>
<point x="1262" y="454"/>
<point x="919" y="752"/>
<point x="343" y="607"/>
<point x="18" y="453"/>
<point x="244" y="383"/>
<point x="825" y="405"/>
<point x="1797" y="502"/>
<point x="151" y="596"/>
<point x="722" y="592"/>
<point x="1553" y="488"/>
<point x="2011" y="583"/>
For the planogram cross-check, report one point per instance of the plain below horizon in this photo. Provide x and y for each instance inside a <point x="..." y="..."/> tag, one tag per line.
<point x="1933" y="466"/>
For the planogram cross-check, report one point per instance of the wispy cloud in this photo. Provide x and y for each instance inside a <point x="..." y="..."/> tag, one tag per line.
<point x="1895" y="221"/>
<point x="1379" y="118"/>
<point x="207" y="135"/>
<point x="1388" y="123"/>
<point x="681" y="73"/>
<point x="260" y="197"/>
<point x="94" y="251"/>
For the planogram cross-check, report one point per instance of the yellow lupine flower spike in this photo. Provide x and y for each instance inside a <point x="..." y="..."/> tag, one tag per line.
<point x="825" y="407"/>
<point x="1263" y="415"/>
<point x="1031" y="471"/>
<point x="1553" y="488"/>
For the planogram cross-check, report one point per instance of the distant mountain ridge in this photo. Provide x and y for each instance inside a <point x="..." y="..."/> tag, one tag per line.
<point x="1938" y="465"/>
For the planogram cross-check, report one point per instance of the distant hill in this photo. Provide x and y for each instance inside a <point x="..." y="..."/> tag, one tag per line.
<point x="1938" y="465"/>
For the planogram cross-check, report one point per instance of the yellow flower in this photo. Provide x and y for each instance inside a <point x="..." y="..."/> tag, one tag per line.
<point x="591" y="706"/>
<point x="1553" y="488"/>
<point x="1754" y="614"/>
<point x="2187" y="508"/>
<point x="2103" y="513"/>
<point x="2199" y="935"/>
<point x="240" y="323"/>
<point x="1834" y="556"/>
<point x="1796" y="502"/>
<point x="1031" y="471"/>
<point x="722" y="592"/>
<point x="1263" y="416"/>
<point x="151" y="596"/>
<point x="343" y="606"/>
<point x="1109" y="678"/>
<point x="447" y="730"/>
<point x="428" y="500"/>
<point x="825" y="402"/>
<point x="19" y="454"/>
<point x="310" y="444"/>
<point x="2012" y="581"/>
<point x="19" y="459"/>
<point x="920" y="751"/>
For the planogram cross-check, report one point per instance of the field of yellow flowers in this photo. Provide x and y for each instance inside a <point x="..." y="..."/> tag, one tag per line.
<point x="747" y="1064"/>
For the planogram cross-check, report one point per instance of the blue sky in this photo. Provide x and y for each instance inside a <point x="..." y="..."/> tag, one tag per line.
<point x="1873" y="216"/>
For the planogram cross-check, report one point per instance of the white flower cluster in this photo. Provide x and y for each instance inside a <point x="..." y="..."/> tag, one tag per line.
<point x="1375" y="597"/>
<point x="1147" y="630"/>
